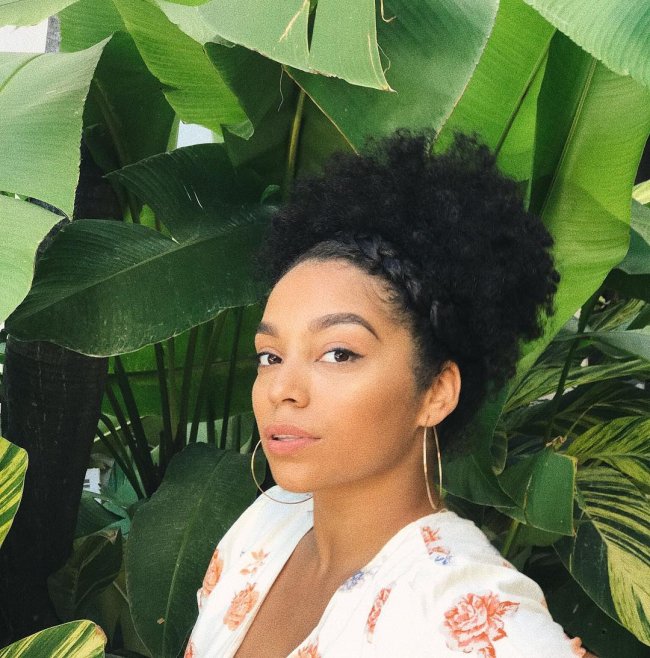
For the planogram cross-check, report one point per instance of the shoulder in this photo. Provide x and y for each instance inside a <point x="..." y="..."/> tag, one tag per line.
<point x="459" y="595"/>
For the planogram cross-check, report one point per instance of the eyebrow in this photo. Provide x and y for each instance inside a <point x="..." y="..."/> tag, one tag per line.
<point x="323" y="322"/>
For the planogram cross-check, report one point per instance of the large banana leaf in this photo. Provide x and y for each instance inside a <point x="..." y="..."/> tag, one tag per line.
<point x="505" y="84"/>
<point x="608" y="555"/>
<point x="433" y="47"/>
<point x="87" y="22"/>
<point x="192" y="85"/>
<point x="22" y="226"/>
<point x="107" y="287"/>
<point x="41" y="105"/>
<point x="76" y="639"/>
<point x="13" y="466"/>
<point x="621" y="443"/>
<point x="343" y="42"/>
<point x="617" y="32"/>
<point x="590" y="136"/>
<point x="29" y="12"/>
<point x="93" y="566"/>
<point x="173" y="536"/>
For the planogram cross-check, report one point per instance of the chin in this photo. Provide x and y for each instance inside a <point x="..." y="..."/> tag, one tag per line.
<point x="291" y="481"/>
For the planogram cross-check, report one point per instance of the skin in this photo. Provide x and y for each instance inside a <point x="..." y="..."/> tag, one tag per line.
<point x="365" y="470"/>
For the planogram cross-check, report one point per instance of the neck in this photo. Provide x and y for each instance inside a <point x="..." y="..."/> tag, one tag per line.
<point x="352" y="523"/>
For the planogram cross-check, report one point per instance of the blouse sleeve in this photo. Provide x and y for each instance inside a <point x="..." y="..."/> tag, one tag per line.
<point x="462" y="600"/>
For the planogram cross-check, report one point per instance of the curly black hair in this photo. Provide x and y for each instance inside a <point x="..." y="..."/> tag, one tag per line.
<point x="466" y="266"/>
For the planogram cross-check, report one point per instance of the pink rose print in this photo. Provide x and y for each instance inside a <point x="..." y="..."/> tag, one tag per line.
<point x="190" y="651"/>
<point x="476" y="622"/>
<point x="310" y="651"/>
<point x="432" y="542"/>
<point x="212" y="575"/>
<point x="576" y="646"/>
<point x="256" y="563"/>
<point x="375" y="611"/>
<point x="241" y="605"/>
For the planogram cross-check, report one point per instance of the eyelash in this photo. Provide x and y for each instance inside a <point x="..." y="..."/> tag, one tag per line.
<point x="352" y="356"/>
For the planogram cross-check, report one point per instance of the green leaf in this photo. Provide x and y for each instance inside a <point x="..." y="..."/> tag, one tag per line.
<point x="76" y="639"/>
<point x="505" y="81"/>
<point x="621" y="443"/>
<point x="641" y="193"/>
<point x="41" y="105"/>
<point x="87" y="22"/>
<point x="13" y="466"/>
<point x="343" y="42"/>
<point x="632" y="276"/>
<point x="609" y="554"/>
<point x="529" y="481"/>
<point x="191" y="189"/>
<point x="107" y="287"/>
<point x="590" y="137"/>
<point x="193" y="86"/>
<point x="23" y="225"/>
<point x="632" y="341"/>
<point x="93" y="566"/>
<point x="29" y="12"/>
<point x="613" y="31"/>
<point x="433" y="47"/>
<point x="204" y="491"/>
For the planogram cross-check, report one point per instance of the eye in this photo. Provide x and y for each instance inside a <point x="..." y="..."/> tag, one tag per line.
<point x="340" y="355"/>
<point x="267" y="359"/>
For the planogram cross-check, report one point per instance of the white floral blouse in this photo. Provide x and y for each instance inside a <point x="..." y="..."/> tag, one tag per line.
<point x="437" y="589"/>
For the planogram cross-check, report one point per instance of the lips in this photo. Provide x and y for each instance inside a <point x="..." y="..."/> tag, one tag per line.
<point x="285" y="433"/>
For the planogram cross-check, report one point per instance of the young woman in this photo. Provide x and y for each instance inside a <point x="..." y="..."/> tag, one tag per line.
<point x="402" y="283"/>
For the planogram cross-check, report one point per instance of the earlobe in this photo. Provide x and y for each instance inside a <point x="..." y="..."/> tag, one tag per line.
<point x="441" y="397"/>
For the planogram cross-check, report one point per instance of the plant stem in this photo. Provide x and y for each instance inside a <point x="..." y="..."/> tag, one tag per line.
<point x="166" y="436"/>
<point x="181" y="430"/>
<point x="585" y="313"/>
<point x="119" y="460"/>
<point x="210" y="353"/>
<point x="293" y="145"/>
<point x="227" y="397"/>
<point x="510" y="538"/>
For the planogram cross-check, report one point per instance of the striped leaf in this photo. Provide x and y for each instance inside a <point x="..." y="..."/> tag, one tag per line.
<point x="13" y="465"/>
<point x="76" y="639"/>
<point x="623" y="443"/>
<point x="609" y="555"/>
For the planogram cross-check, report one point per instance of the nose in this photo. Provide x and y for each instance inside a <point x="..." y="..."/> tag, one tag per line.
<point x="288" y="383"/>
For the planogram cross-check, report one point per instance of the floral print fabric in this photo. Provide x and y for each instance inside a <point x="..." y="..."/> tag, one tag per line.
<point x="437" y="589"/>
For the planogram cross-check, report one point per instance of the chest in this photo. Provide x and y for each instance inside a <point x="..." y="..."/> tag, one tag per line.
<point x="290" y="611"/>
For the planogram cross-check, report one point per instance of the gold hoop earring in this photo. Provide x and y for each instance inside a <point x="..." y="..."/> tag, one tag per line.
<point x="257" y="484"/>
<point x="426" y="470"/>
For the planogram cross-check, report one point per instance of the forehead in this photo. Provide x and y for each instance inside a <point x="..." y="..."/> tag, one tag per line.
<point x="316" y="287"/>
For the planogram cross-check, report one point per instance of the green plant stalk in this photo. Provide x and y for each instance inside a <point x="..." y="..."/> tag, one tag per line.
<point x="181" y="430"/>
<point x="149" y="476"/>
<point x="293" y="145"/>
<point x="213" y="342"/>
<point x="510" y="538"/>
<point x="533" y="76"/>
<point x="210" y="422"/>
<point x="113" y="431"/>
<point x="237" y="432"/>
<point x="128" y="472"/>
<point x="172" y="383"/>
<point x="140" y="461"/>
<point x="585" y="313"/>
<point x="230" y="382"/>
<point x="166" y="447"/>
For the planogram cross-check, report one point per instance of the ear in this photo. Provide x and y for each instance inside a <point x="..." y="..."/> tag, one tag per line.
<point x="441" y="398"/>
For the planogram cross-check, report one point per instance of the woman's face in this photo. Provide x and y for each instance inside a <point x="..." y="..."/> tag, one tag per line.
<point x="335" y="397"/>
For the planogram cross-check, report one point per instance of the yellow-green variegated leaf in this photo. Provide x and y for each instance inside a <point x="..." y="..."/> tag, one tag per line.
<point x="610" y="553"/>
<point x="76" y="639"/>
<point x="623" y="443"/>
<point x="641" y="193"/>
<point x="13" y="465"/>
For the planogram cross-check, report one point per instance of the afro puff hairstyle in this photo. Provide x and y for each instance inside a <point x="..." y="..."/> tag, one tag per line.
<point x="465" y="265"/>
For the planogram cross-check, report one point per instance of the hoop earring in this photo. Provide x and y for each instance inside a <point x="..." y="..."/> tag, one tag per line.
<point x="257" y="484"/>
<point x="426" y="470"/>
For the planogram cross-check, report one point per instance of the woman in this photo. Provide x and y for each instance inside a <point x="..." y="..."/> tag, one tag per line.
<point x="401" y="285"/>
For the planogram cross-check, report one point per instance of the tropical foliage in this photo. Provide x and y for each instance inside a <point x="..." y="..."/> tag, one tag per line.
<point x="555" y="469"/>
